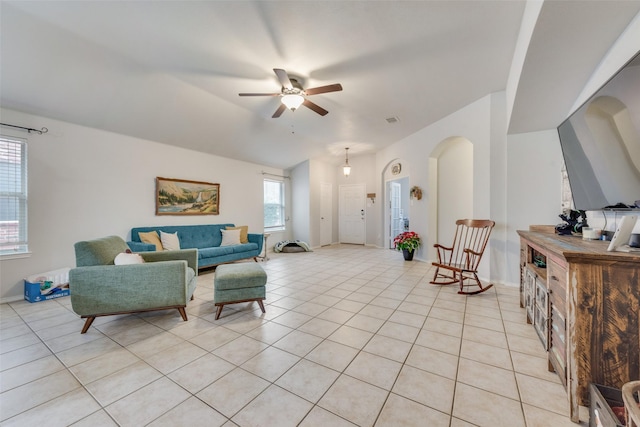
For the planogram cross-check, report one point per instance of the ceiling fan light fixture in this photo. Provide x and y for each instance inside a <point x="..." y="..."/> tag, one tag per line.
<point x="346" y="169"/>
<point x="292" y="101"/>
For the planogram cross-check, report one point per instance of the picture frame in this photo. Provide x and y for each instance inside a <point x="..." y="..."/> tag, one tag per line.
<point x="184" y="197"/>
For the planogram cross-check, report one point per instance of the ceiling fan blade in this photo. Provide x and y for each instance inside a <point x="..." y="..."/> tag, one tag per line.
<point x="279" y="111"/>
<point x="324" y="89"/>
<point x="315" y="107"/>
<point x="283" y="77"/>
<point x="259" y="94"/>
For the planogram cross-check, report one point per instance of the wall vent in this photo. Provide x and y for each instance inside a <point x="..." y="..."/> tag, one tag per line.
<point x="392" y="120"/>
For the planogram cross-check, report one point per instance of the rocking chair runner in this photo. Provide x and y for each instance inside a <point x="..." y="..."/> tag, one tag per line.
<point x="460" y="261"/>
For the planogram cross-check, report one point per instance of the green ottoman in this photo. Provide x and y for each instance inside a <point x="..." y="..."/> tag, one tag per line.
<point x="235" y="283"/>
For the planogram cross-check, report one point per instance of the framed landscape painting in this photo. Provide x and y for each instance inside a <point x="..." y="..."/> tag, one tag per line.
<point x="182" y="197"/>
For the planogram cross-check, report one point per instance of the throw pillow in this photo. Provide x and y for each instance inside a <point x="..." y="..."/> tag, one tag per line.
<point x="170" y="241"/>
<point x="151" y="237"/>
<point x="128" y="258"/>
<point x="230" y="237"/>
<point x="244" y="230"/>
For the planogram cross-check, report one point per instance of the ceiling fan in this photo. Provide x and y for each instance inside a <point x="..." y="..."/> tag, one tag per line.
<point x="293" y="94"/>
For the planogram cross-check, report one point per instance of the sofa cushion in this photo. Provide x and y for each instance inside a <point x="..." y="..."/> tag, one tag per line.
<point x="214" y="252"/>
<point x="191" y="236"/>
<point x="170" y="241"/>
<point x="230" y="237"/>
<point x="152" y="238"/>
<point x="244" y="248"/>
<point x="244" y="232"/>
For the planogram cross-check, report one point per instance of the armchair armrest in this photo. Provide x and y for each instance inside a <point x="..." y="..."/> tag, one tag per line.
<point x="120" y="288"/>
<point x="189" y="255"/>
<point x="141" y="247"/>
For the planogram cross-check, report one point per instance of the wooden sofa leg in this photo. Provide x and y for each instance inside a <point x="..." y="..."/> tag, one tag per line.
<point x="183" y="313"/>
<point x="218" y="311"/>
<point x="87" y="324"/>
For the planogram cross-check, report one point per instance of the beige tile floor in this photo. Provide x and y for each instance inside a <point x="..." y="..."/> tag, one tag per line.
<point x="351" y="336"/>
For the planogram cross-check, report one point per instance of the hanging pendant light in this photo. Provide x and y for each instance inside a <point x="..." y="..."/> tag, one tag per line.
<point x="346" y="169"/>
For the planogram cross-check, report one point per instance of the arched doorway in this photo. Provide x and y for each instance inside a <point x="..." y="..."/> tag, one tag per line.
<point x="396" y="200"/>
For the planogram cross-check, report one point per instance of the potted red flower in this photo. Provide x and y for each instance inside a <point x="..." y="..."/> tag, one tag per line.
<point x="407" y="242"/>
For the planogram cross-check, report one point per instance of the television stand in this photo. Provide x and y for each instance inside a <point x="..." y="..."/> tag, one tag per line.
<point x="585" y="302"/>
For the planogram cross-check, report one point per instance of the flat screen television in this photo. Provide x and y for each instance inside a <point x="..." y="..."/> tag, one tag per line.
<point x="601" y="144"/>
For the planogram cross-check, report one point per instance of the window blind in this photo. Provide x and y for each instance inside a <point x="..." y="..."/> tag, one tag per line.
<point x="13" y="195"/>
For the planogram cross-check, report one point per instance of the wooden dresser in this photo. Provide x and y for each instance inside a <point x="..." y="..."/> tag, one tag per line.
<point x="584" y="302"/>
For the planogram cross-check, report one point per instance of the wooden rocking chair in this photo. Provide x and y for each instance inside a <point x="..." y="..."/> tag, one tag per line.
<point x="461" y="260"/>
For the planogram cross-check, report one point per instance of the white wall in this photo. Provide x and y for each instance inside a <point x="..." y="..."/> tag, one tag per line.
<point x="363" y="171"/>
<point x="534" y="164"/>
<point x="306" y="179"/>
<point x="300" y="203"/>
<point x="455" y="186"/>
<point x="620" y="53"/>
<point x="471" y="122"/>
<point x="86" y="183"/>
<point x="532" y="10"/>
<point x="320" y="173"/>
<point x="499" y="181"/>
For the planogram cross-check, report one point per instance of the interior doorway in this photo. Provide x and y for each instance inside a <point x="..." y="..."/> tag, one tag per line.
<point x="326" y="216"/>
<point x="397" y="215"/>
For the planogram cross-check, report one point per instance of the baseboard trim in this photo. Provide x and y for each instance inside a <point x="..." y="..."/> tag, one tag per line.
<point x="11" y="299"/>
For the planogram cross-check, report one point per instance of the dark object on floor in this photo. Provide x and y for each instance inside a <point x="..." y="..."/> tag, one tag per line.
<point x="292" y="246"/>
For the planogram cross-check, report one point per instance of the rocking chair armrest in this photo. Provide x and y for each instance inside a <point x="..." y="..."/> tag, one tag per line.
<point x="467" y="251"/>
<point x="439" y="246"/>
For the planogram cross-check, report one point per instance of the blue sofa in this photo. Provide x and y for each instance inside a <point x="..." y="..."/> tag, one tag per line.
<point x="206" y="238"/>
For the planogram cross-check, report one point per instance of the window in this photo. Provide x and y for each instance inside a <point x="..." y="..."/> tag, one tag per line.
<point x="273" y="205"/>
<point x="13" y="196"/>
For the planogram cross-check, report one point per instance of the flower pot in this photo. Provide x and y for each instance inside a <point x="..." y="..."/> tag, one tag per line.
<point x="408" y="255"/>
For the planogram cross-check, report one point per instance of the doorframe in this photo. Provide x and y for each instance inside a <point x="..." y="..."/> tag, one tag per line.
<point x="387" y="176"/>
<point x="328" y="223"/>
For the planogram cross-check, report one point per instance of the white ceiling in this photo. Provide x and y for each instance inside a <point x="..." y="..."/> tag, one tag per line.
<point x="171" y="71"/>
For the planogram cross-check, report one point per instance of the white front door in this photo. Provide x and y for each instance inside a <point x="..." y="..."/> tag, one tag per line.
<point x="326" y="217"/>
<point x="352" y="214"/>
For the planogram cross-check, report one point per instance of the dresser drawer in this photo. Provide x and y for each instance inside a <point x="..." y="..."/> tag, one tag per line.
<point x="557" y="279"/>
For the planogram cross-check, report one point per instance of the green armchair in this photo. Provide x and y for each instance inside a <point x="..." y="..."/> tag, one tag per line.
<point x="165" y="280"/>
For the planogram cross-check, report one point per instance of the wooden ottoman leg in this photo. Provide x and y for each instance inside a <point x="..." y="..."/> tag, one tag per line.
<point x="261" y="305"/>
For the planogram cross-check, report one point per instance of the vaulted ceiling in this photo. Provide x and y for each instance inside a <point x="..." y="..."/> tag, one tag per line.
<point x="171" y="71"/>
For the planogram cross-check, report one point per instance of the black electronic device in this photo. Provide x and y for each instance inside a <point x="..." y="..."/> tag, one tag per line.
<point x="575" y="221"/>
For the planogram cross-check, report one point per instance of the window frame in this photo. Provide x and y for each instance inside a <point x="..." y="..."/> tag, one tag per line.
<point x="20" y="248"/>
<point x="282" y="226"/>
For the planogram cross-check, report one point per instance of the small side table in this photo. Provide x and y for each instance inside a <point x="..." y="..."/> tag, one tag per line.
<point x="264" y="257"/>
